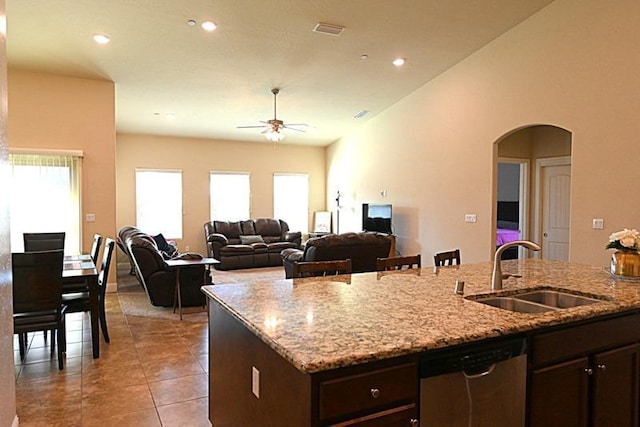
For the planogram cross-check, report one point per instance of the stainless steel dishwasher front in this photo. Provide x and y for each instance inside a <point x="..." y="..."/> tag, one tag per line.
<point x="482" y="385"/>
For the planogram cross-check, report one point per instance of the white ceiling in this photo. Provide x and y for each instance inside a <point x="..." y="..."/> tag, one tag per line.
<point x="216" y="81"/>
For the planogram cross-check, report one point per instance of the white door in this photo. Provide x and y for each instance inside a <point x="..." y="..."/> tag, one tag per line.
<point x="556" y="215"/>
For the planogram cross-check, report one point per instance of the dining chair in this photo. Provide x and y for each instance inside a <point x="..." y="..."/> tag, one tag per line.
<point x="35" y="242"/>
<point x="399" y="263"/>
<point x="321" y="268"/>
<point x="442" y="259"/>
<point x="95" y="247"/>
<point x="37" y="297"/>
<point x="78" y="302"/>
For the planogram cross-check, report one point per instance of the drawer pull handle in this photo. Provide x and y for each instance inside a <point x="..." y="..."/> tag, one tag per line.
<point x="589" y="371"/>
<point x="375" y="393"/>
<point x="602" y="367"/>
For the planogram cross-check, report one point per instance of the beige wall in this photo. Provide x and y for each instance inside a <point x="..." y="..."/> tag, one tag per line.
<point x="197" y="158"/>
<point x="55" y="112"/>
<point x="573" y="65"/>
<point x="7" y="369"/>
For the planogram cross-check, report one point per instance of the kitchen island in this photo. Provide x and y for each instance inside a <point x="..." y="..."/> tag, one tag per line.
<point x="294" y="352"/>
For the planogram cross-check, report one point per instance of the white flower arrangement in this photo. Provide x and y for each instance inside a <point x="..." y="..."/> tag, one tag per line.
<point x="625" y="240"/>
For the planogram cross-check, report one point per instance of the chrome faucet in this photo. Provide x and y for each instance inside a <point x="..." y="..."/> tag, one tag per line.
<point x="497" y="276"/>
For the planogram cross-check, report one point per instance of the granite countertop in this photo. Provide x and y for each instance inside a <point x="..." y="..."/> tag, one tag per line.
<point x="324" y="323"/>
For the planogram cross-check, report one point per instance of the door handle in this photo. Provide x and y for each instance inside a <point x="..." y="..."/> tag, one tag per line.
<point x="545" y="235"/>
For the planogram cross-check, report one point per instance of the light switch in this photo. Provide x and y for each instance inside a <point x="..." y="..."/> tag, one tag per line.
<point x="470" y="218"/>
<point x="91" y="217"/>
<point x="598" y="223"/>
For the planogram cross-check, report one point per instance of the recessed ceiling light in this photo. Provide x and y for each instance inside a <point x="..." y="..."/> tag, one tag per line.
<point x="364" y="56"/>
<point x="399" y="62"/>
<point x="208" y="25"/>
<point x="170" y="116"/>
<point x="191" y="22"/>
<point x="101" y="38"/>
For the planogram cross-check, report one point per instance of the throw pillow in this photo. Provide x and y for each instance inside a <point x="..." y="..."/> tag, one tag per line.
<point x="247" y="240"/>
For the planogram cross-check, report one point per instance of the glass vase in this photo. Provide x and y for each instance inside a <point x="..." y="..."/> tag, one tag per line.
<point x="626" y="263"/>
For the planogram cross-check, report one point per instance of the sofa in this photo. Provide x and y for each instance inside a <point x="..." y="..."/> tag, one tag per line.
<point x="250" y="243"/>
<point x="148" y="254"/>
<point x="362" y="248"/>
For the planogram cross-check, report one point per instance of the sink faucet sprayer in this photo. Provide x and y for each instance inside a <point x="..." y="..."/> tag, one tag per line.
<point x="497" y="276"/>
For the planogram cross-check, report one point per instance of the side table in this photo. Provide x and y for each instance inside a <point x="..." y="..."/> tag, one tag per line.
<point x="178" y="264"/>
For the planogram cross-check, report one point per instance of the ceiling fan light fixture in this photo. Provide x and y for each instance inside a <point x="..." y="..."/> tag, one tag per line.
<point x="274" y="136"/>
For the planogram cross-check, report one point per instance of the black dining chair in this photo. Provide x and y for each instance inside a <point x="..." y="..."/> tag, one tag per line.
<point x="37" y="297"/>
<point x="34" y="242"/>
<point x="442" y="259"/>
<point x="95" y="248"/>
<point x="321" y="268"/>
<point x="78" y="302"/>
<point x="399" y="263"/>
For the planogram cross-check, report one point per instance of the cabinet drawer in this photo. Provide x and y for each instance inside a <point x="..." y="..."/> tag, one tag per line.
<point x="369" y="390"/>
<point x="580" y="340"/>
<point x="403" y="416"/>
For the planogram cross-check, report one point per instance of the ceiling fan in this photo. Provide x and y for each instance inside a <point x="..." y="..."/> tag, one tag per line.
<point x="274" y="126"/>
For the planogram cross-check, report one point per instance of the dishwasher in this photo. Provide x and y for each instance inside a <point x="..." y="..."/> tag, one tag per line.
<point x="482" y="385"/>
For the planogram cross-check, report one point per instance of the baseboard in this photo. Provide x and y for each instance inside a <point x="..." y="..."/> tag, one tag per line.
<point x="123" y="266"/>
<point x="112" y="287"/>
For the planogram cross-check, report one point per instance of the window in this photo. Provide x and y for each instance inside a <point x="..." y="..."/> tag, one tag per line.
<point x="45" y="197"/>
<point x="229" y="196"/>
<point x="159" y="202"/>
<point x="291" y="200"/>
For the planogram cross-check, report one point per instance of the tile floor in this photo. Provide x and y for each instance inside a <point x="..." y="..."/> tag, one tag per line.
<point x="153" y="373"/>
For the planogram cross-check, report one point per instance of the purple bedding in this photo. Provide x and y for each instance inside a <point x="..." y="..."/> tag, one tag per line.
<point x="504" y="235"/>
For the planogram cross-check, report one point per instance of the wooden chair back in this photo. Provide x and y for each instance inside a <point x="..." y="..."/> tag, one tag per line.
<point x="321" y="268"/>
<point x="399" y="263"/>
<point x="37" y="281"/>
<point x="37" y="242"/>
<point x="442" y="259"/>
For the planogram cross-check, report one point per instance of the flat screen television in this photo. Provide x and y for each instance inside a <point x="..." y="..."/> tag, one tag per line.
<point x="376" y="218"/>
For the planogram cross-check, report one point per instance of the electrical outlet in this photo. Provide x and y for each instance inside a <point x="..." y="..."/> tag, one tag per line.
<point x="255" y="382"/>
<point x="598" y="224"/>
<point x="187" y="248"/>
<point x="90" y="217"/>
<point x="470" y="218"/>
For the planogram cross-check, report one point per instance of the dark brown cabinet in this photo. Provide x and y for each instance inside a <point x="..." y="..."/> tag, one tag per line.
<point x="579" y="378"/>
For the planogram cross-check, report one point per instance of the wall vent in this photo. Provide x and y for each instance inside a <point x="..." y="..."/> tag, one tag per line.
<point x="330" y="29"/>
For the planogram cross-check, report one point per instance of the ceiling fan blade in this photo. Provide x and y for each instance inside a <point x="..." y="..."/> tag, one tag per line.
<point x="288" y="127"/>
<point x="250" y="127"/>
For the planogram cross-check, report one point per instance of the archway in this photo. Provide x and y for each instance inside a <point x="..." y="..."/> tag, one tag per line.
<point x="533" y="180"/>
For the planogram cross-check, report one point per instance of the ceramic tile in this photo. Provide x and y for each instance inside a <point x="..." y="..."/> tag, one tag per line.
<point x="193" y="413"/>
<point x="169" y="389"/>
<point x="179" y="389"/>
<point x="116" y="402"/>
<point x="144" y="418"/>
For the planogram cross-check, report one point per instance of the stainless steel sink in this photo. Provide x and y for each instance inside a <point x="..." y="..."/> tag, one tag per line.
<point x="556" y="299"/>
<point x="536" y="301"/>
<point x="513" y="304"/>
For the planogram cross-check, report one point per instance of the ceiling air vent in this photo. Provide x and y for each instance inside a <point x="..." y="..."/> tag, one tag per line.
<point x="360" y="114"/>
<point x="330" y="29"/>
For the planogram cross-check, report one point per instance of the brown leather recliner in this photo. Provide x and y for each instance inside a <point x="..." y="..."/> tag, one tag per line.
<point x="363" y="249"/>
<point x="157" y="279"/>
<point x="250" y="243"/>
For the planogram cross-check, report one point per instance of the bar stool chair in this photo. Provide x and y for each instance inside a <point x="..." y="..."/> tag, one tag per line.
<point x="321" y="268"/>
<point x="399" y="263"/>
<point x="442" y="259"/>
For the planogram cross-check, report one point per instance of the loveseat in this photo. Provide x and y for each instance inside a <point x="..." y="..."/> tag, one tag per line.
<point x="157" y="279"/>
<point x="362" y="248"/>
<point x="250" y="243"/>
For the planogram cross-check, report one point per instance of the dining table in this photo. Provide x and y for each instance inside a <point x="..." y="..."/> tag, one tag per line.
<point x="81" y="269"/>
